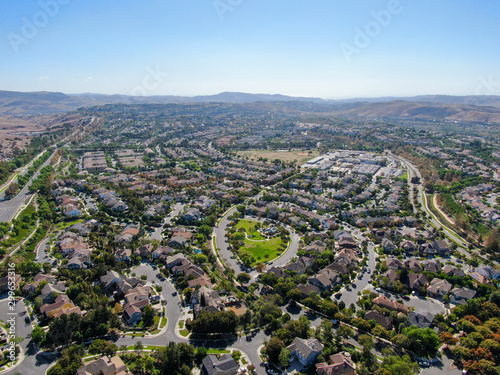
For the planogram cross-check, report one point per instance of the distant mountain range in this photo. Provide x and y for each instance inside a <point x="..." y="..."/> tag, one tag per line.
<point x="441" y="107"/>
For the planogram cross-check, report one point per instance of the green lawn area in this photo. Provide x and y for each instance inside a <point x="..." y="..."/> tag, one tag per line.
<point x="218" y="351"/>
<point x="249" y="226"/>
<point x="259" y="249"/>
<point x="184" y="332"/>
<point x="67" y="224"/>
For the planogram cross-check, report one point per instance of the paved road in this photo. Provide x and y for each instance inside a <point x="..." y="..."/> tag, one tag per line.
<point x="156" y="235"/>
<point x="351" y="296"/>
<point x="32" y="363"/>
<point x="228" y="258"/>
<point x="43" y="253"/>
<point x="414" y="172"/>
<point x="9" y="208"/>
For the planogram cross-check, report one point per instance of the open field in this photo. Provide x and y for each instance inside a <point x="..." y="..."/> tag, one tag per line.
<point x="300" y="156"/>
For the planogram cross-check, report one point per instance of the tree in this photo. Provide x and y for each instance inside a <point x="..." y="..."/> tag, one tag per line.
<point x="423" y="341"/>
<point x="103" y="347"/>
<point x="395" y="365"/>
<point x="138" y="347"/>
<point x="12" y="189"/>
<point x="260" y="267"/>
<point x="205" y="230"/>
<point x="243" y="278"/>
<point x="148" y="316"/>
<point x="284" y="358"/>
<point x="217" y="322"/>
<point x="38" y="335"/>
<point x="273" y="349"/>
<point x="344" y="332"/>
<point x="201" y="353"/>
<point x="366" y="342"/>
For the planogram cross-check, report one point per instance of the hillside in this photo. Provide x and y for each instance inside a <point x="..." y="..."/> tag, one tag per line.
<point x="432" y="107"/>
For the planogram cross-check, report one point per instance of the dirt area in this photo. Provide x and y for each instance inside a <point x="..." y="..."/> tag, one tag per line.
<point x="16" y="132"/>
<point x="435" y="202"/>
<point x="238" y="309"/>
<point x="300" y="156"/>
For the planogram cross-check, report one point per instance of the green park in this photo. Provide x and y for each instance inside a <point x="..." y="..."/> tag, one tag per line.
<point x="256" y="247"/>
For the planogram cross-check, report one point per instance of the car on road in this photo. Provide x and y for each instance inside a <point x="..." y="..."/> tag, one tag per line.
<point x="27" y="320"/>
<point x="37" y="258"/>
<point x="423" y="363"/>
<point x="174" y="294"/>
<point x="407" y="298"/>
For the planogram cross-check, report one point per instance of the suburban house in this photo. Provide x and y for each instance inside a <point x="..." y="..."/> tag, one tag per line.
<point x="4" y="283"/>
<point x="460" y="296"/>
<point x="379" y="318"/>
<point x="385" y="302"/>
<point x="62" y="306"/>
<point x="416" y="281"/>
<point x="305" y="351"/>
<point x="441" y="246"/>
<point x="104" y="366"/>
<point x="438" y="288"/>
<point x="340" y="364"/>
<point x="131" y="314"/>
<point x="191" y="215"/>
<point x="177" y="242"/>
<point x="420" y="320"/>
<point x="223" y="365"/>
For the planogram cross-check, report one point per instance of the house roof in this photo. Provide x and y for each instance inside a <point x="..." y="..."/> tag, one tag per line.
<point x="463" y="293"/>
<point x="391" y="305"/>
<point x="439" y="286"/>
<point x="307" y="349"/>
<point x="104" y="366"/>
<point x="420" y="320"/>
<point x="380" y="318"/>
<point x="219" y="366"/>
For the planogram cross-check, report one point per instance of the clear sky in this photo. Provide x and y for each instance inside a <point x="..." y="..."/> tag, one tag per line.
<point x="321" y="48"/>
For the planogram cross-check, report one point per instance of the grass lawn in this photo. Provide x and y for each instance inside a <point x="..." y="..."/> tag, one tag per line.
<point x="258" y="246"/>
<point x="218" y="351"/>
<point x="249" y="226"/>
<point x="184" y="332"/>
<point x="67" y="224"/>
<point x="300" y="156"/>
<point x="259" y="249"/>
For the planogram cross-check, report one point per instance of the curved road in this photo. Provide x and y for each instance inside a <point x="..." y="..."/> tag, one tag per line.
<point x="228" y="258"/>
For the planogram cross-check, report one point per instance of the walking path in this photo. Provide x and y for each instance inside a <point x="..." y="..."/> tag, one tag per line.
<point x="435" y="202"/>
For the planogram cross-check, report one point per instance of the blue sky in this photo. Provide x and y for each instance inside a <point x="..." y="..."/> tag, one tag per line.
<point x="199" y="47"/>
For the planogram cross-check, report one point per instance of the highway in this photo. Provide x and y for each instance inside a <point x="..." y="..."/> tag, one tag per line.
<point x="9" y="208"/>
